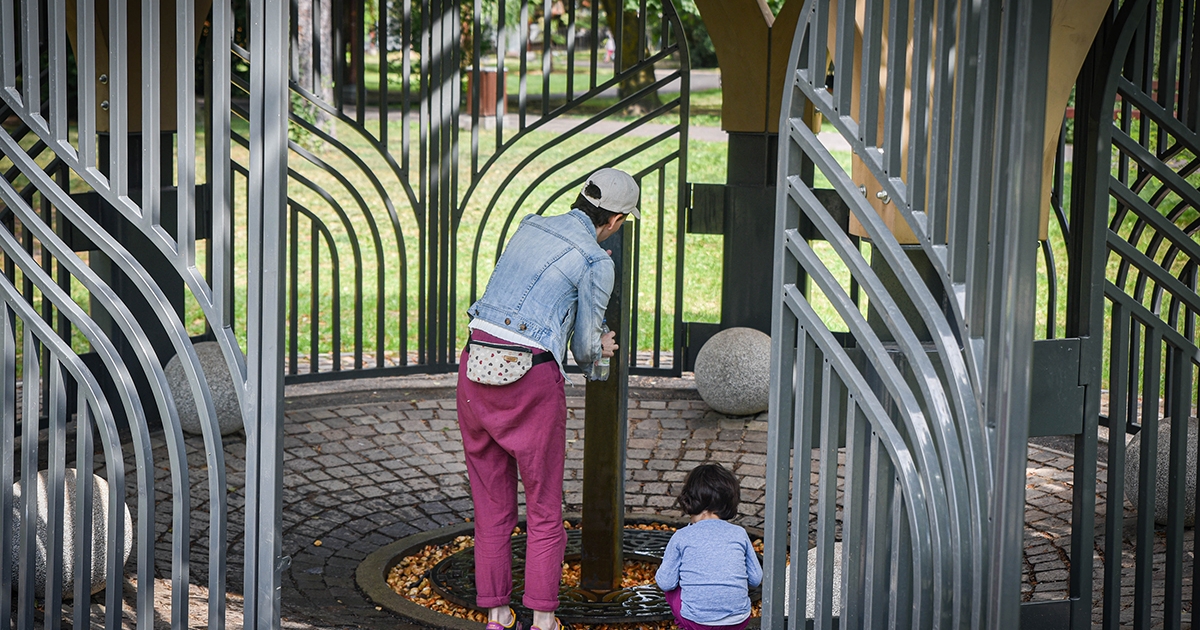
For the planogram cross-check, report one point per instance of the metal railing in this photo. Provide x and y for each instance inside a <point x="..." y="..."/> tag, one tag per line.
<point x="318" y="223"/>
<point x="1149" y="359"/>
<point x="101" y="237"/>
<point x="928" y="389"/>
<point x="412" y="219"/>
<point x="1140" y="249"/>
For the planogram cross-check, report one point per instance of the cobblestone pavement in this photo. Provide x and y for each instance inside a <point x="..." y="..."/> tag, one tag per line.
<point x="367" y="463"/>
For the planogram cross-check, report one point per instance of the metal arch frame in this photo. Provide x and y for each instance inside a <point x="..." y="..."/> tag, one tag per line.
<point x="979" y="371"/>
<point x="433" y="266"/>
<point x="261" y="412"/>
<point x="676" y="47"/>
<point x="258" y="377"/>
<point x="1139" y="341"/>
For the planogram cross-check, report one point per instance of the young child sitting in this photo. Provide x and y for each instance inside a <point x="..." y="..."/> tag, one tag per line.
<point x="709" y="565"/>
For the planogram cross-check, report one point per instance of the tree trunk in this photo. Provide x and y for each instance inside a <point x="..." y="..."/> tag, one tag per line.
<point x="627" y="57"/>
<point x="312" y="58"/>
<point x="324" y="87"/>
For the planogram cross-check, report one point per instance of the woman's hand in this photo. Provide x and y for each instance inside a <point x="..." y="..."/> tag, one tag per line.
<point x="608" y="344"/>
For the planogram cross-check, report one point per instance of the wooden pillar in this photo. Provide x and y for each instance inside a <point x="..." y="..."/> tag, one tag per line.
<point x="606" y="417"/>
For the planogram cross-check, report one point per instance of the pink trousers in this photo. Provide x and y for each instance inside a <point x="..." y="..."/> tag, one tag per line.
<point x="519" y="426"/>
<point x="675" y="601"/>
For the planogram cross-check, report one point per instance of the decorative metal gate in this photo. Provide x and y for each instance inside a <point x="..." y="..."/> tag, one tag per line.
<point x="104" y="212"/>
<point x="1134" y="208"/>
<point x="166" y="182"/>
<point x="927" y="389"/>
<point x="410" y="217"/>
<point x="916" y="359"/>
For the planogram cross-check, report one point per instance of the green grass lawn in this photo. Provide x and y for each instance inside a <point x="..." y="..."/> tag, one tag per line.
<point x="502" y="195"/>
<point x="491" y="210"/>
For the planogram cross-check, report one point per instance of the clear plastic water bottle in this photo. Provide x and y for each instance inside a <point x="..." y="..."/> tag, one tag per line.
<point x="600" y="368"/>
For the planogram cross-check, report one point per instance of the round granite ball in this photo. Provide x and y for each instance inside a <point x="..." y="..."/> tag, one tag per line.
<point x="1133" y="464"/>
<point x="733" y="371"/>
<point x="99" y="560"/>
<point x="811" y="598"/>
<point x="220" y="385"/>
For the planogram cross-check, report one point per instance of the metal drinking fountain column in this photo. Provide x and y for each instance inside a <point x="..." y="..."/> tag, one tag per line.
<point x="605" y="428"/>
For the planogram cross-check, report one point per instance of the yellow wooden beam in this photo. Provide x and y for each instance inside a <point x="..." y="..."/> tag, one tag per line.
<point x="1075" y="24"/>
<point x="740" y="31"/>
<point x="133" y="51"/>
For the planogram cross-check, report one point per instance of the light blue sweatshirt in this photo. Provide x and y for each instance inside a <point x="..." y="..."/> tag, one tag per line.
<point x="713" y="565"/>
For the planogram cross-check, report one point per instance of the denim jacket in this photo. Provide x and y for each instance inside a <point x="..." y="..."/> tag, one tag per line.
<point x="551" y="284"/>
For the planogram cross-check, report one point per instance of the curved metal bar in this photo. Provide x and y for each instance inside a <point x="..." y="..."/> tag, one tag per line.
<point x="1051" y="288"/>
<point x="968" y="427"/>
<point x="110" y="439"/>
<point x="380" y="329"/>
<point x="1149" y="267"/>
<point x="938" y="453"/>
<point x="107" y="351"/>
<point x="898" y="452"/>
<point x="637" y="176"/>
<point x="1151" y="319"/>
<point x="958" y="370"/>
<point x="1176" y="308"/>
<point x="1156" y="199"/>
<point x="357" y="254"/>
<point x="396" y="170"/>
<point x="335" y="274"/>
<point x="971" y="436"/>
<point x="354" y="157"/>
<point x="1133" y="96"/>
<point x="1169" y="178"/>
<point x="558" y="166"/>
<point x="1190" y="266"/>
<point x="576" y="130"/>
<point x="340" y="115"/>
<point x="166" y="246"/>
<point x="1173" y="250"/>
<point x="1164" y="227"/>
<point x="133" y="331"/>
<point x="645" y="146"/>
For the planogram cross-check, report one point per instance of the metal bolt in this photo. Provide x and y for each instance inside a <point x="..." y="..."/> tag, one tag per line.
<point x="883" y="196"/>
<point x="104" y="79"/>
<point x="862" y="190"/>
<point x="104" y="105"/>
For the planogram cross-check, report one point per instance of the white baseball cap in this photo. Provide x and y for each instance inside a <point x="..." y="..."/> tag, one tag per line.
<point x="613" y="190"/>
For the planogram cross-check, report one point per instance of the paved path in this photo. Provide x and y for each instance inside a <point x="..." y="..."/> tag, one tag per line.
<point x="369" y="462"/>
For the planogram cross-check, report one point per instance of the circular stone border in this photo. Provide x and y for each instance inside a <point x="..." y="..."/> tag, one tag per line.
<point x="371" y="574"/>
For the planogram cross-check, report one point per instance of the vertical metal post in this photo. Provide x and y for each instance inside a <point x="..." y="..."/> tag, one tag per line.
<point x="1011" y="322"/>
<point x="605" y="420"/>
<point x="265" y="321"/>
<point x="8" y="424"/>
<point x="1087" y="252"/>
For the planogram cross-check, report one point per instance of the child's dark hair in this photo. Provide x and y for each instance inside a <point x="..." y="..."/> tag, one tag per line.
<point x="711" y="487"/>
<point x="599" y="216"/>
